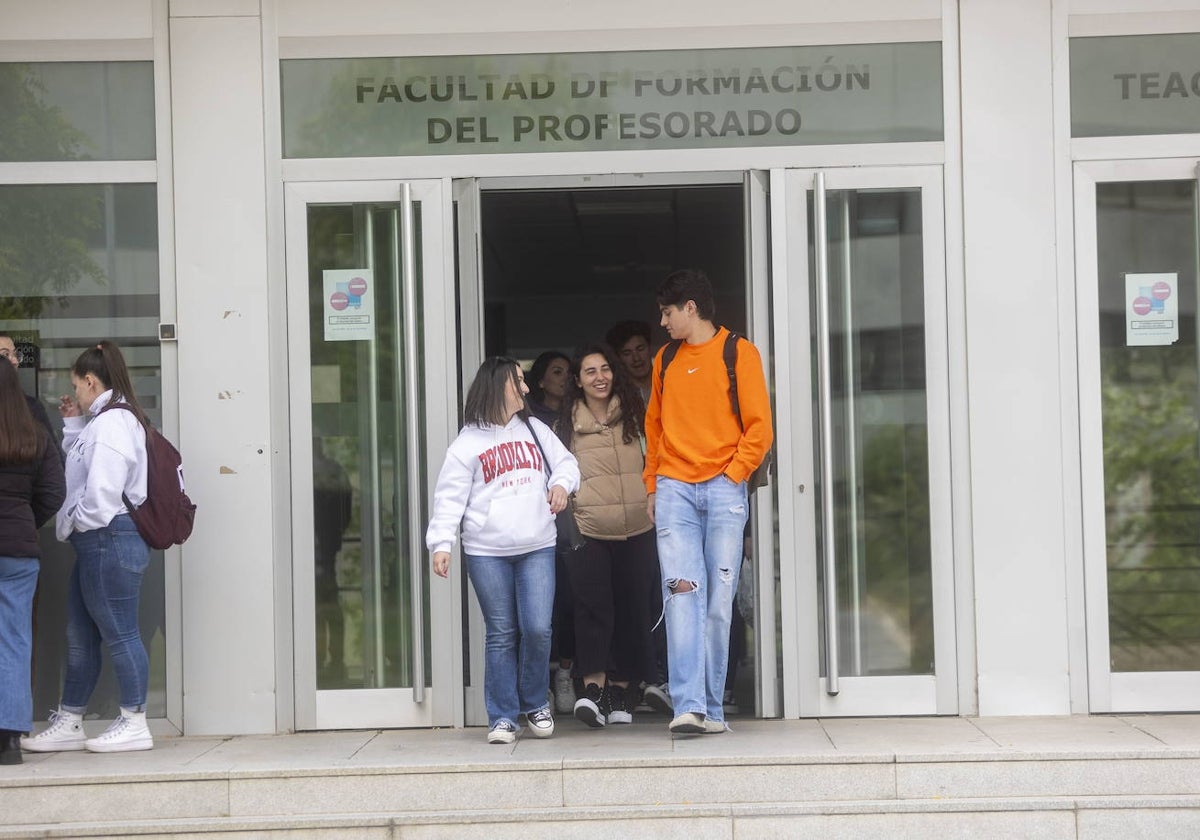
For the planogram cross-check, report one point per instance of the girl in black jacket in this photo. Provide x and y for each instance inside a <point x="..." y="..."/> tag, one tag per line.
<point x="31" y="491"/>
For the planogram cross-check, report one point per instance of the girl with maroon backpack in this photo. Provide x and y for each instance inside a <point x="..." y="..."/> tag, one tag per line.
<point x="106" y="468"/>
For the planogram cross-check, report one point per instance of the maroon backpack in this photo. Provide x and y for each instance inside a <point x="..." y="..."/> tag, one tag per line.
<point x="166" y="517"/>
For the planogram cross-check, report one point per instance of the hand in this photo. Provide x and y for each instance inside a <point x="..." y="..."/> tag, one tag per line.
<point x="441" y="563"/>
<point x="67" y="407"/>
<point x="557" y="498"/>
<point x="650" y="506"/>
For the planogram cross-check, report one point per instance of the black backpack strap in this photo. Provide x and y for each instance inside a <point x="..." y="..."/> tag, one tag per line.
<point x="668" y="353"/>
<point x="730" y="354"/>
<point x="537" y="440"/>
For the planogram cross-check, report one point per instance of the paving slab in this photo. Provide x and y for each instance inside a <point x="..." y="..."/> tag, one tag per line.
<point x="907" y="735"/>
<point x="1067" y="733"/>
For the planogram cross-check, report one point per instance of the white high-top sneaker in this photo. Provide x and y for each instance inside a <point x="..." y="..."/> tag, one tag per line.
<point x="64" y="732"/>
<point x="125" y="734"/>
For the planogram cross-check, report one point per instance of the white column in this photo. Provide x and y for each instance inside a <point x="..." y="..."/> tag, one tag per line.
<point x="1012" y="341"/>
<point x="221" y="256"/>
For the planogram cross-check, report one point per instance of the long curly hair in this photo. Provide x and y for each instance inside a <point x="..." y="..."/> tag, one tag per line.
<point x="633" y="409"/>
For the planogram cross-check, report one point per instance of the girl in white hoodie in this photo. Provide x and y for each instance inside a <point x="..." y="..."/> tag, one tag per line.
<point x="505" y="478"/>
<point x="105" y="466"/>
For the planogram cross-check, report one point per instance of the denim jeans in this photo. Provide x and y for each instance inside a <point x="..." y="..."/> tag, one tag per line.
<point x="516" y="594"/>
<point x="18" y="579"/>
<point x="102" y="606"/>
<point x="700" y="528"/>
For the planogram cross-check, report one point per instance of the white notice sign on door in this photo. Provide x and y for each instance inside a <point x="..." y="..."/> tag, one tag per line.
<point x="1151" y="309"/>
<point x="349" y="307"/>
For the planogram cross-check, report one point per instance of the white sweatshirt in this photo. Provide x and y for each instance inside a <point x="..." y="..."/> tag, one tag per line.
<point x="493" y="482"/>
<point x="106" y="456"/>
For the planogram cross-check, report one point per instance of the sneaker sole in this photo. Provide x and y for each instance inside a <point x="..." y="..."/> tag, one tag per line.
<point x="72" y="746"/>
<point x="506" y="738"/>
<point x="686" y="728"/>
<point x="620" y="717"/>
<point x="127" y="746"/>
<point x="539" y="732"/>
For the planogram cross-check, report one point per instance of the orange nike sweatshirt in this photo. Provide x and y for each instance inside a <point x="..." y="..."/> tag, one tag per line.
<point x="692" y="434"/>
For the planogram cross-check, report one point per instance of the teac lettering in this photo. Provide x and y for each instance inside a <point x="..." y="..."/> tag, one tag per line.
<point x="1150" y="85"/>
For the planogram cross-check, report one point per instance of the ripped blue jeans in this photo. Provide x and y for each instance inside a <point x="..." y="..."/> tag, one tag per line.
<point x="700" y="531"/>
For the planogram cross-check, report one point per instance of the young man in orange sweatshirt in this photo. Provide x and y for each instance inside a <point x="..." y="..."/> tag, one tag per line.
<point x="698" y="457"/>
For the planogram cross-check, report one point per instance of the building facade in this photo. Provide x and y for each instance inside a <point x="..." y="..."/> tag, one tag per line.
<point x="963" y="234"/>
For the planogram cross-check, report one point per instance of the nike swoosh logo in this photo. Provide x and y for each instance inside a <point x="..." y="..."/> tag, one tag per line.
<point x="693" y="370"/>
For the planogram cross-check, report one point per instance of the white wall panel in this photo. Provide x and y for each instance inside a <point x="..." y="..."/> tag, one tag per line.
<point x="22" y="20"/>
<point x="1013" y="353"/>
<point x="308" y="18"/>
<point x="220" y="208"/>
<point x="215" y="8"/>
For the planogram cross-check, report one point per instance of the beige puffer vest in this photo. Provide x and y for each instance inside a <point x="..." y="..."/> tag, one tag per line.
<point x="611" y="502"/>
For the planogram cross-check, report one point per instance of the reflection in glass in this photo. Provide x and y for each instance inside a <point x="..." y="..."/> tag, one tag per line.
<point x="77" y="110"/>
<point x="361" y="490"/>
<point x="880" y="491"/>
<point x="79" y="263"/>
<point x="1151" y="431"/>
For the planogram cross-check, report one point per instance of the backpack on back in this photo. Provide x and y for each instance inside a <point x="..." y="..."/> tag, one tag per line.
<point x="166" y="517"/>
<point x="762" y="475"/>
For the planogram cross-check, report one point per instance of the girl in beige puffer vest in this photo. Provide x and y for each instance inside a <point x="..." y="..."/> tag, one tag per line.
<point x="613" y="575"/>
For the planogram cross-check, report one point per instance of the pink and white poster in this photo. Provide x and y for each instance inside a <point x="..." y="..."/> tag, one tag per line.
<point x="349" y="306"/>
<point x="1151" y="309"/>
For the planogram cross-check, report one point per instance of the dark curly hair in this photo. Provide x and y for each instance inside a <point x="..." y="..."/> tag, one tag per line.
<point x="633" y="409"/>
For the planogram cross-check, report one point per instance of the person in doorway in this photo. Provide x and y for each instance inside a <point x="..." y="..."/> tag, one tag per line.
<point x="698" y="457"/>
<point x="632" y="341"/>
<point x="505" y="478"/>
<point x="31" y="490"/>
<point x="8" y="352"/>
<point x="548" y="378"/>
<point x="106" y="464"/>
<point x="610" y="574"/>
<point x="332" y="510"/>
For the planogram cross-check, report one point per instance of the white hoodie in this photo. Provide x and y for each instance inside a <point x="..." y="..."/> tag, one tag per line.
<point x="493" y="482"/>
<point x="106" y="456"/>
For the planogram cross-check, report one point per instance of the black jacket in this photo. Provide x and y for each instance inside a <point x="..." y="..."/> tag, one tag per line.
<point x="29" y="495"/>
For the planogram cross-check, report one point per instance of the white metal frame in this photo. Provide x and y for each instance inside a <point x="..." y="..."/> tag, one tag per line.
<point x="317" y="709"/>
<point x="1109" y="691"/>
<point x="805" y="693"/>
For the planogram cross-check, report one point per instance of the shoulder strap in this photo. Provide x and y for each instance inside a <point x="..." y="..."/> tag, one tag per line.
<point x="730" y="354"/>
<point x="538" y="441"/>
<point x="669" y="351"/>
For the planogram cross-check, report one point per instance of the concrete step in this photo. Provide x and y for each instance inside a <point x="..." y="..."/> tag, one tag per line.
<point x="1042" y="818"/>
<point x="1090" y="778"/>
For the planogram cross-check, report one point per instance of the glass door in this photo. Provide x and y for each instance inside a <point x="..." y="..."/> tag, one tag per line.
<point x="368" y="327"/>
<point x="1137" y="239"/>
<point x="858" y="260"/>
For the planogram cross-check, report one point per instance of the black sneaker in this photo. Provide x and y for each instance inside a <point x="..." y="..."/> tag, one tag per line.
<point x="618" y="704"/>
<point x="590" y="707"/>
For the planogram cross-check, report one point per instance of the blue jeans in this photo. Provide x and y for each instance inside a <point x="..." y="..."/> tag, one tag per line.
<point x="18" y="579"/>
<point x="102" y="606"/>
<point x="700" y="528"/>
<point x="517" y="597"/>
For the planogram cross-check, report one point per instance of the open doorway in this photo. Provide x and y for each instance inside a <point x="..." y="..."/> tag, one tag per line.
<point x="560" y="266"/>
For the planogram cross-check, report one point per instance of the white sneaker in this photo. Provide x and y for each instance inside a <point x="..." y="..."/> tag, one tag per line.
<point x="564" y="691"/>
<point x="125" y="734"/>
<point x="64" y="732"/>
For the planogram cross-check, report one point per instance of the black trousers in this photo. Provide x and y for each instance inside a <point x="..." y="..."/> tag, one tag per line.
<point x="609" y="580"/>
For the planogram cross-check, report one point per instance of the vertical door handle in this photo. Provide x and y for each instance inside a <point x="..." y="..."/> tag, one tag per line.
<point x="407" y="349"/>
<point x="825" y="406"/>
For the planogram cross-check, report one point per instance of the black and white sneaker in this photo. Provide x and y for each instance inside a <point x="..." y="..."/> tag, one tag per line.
<point x="589" y="707"/>
<point x="504" y="732"/>
<point x="658" y="698"/>
<point x="618" y="704"/>
<point x="541" y="723"/>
